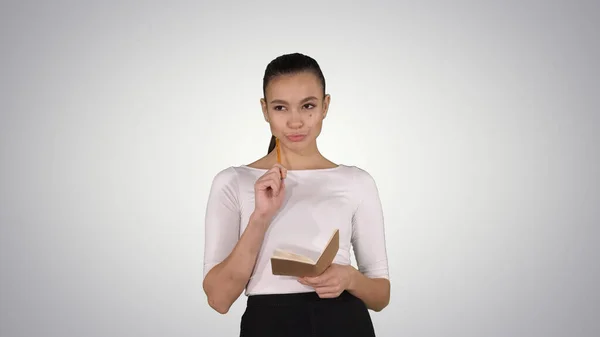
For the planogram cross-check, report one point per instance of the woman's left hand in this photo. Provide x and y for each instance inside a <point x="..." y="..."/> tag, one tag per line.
<point x="332" y="282"/>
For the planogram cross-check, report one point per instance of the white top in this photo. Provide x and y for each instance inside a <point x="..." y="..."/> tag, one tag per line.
<point x="316" y="203"/>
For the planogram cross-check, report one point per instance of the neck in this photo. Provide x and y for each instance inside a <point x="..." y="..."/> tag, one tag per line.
<point x="306" y="158"/>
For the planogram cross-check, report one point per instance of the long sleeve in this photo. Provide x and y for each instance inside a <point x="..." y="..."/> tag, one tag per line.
<point x="368" y="230"/>
<point x="222" y="219"/>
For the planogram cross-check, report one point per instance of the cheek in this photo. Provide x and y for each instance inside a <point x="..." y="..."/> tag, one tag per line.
<point x="278" y="119"/>
<point x="277" y="123"/>
<point x="314" y="122"/>
<point x="314" y="117"/>
<point x="311" y="120"/>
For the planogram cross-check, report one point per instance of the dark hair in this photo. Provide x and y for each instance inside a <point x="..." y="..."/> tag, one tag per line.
<point x="290" y="64"/>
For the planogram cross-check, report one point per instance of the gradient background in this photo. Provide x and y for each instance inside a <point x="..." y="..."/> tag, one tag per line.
<point x="479" y="121"/>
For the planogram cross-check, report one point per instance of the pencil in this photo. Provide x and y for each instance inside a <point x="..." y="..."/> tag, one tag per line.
<point x="278" y="151"/>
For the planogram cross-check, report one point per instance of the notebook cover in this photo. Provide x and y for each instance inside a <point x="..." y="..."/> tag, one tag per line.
<point x="303" y="269"/>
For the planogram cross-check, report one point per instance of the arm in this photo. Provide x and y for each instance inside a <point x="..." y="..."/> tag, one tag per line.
<point x="228" y="258"/>
<point x="375" y="292"/>
<point x="225" y="282"/>
<point x="370" y="282"/>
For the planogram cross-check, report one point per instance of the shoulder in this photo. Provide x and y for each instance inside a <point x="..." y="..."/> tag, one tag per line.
<point x="362" y="181"/>
<point x="358" y="174"/>
<point x="226" y="186"/>
<point x="236" y="175"/>
<point x="227" y="177"/>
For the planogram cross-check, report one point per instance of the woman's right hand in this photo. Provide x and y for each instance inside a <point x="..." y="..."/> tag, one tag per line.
<point x="269" y="191"/>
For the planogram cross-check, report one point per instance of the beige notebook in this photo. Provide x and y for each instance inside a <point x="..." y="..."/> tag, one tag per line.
<point x="291" y="264"/>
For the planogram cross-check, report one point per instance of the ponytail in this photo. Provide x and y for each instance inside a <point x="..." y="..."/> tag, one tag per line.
<point x="272" y="144"/>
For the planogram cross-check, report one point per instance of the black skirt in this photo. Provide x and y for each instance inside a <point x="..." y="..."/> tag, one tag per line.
<point x="305" y="315"/>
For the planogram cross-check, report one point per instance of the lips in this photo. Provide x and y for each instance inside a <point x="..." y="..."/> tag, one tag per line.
<point x="296" y="137"/>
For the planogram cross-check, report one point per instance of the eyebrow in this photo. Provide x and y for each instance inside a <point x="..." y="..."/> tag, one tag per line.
<point x="279" y="101"/>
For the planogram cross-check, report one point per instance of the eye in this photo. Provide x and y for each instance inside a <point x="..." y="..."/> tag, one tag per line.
<point x="309" y="106"/>
<point x="278" y="107"/>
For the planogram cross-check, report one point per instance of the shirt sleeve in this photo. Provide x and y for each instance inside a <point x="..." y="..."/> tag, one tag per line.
<point x="222" y="219"/>
<point x="368" y="230"/>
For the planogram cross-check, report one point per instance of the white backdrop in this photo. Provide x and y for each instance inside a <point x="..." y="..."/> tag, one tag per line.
<point x="479" y="121"/>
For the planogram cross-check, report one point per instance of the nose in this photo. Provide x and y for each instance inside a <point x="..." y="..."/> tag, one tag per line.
<point x="295" y="121"/>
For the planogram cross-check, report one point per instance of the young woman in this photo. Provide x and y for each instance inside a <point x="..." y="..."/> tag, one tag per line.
<point x="256" y="208"/>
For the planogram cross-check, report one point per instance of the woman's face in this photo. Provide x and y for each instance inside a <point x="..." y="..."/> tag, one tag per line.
<point x="295" y="108"/>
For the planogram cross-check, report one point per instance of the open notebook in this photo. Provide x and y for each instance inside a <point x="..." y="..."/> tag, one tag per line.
<point x="291" y="264"/>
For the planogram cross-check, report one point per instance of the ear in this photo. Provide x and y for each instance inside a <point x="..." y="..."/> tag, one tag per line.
<point x="263" y="105"/>
<point x="326" y="101"/>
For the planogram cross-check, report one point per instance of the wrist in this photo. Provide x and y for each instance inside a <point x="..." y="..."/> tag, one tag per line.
<point x="353" y="275"/>
<point x="260" y="220"/>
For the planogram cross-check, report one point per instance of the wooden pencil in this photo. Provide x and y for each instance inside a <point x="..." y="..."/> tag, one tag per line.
<point x="278" y="151"/>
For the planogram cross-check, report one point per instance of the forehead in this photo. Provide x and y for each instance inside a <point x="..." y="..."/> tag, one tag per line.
<point x="292" y="87"/>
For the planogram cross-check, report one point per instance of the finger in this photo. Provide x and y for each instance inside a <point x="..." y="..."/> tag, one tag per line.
<point x="270" y="182"/>
<point x="280" y="169"/>
<point x="275" y="184"/>
<point x="315" y="282"/>
<point x="275" y="174"/>
<point x="283" y="170"/>
<point x="327" y="289"/>
<point x="302" y="280"/>
<point x="267" y="181"/>
<point x="310" y="281"/>
<point x="279" y="186"/>
<point x="331" y="294"/>
<point x="321" y="279"/>
<point x="282" y="184"/>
